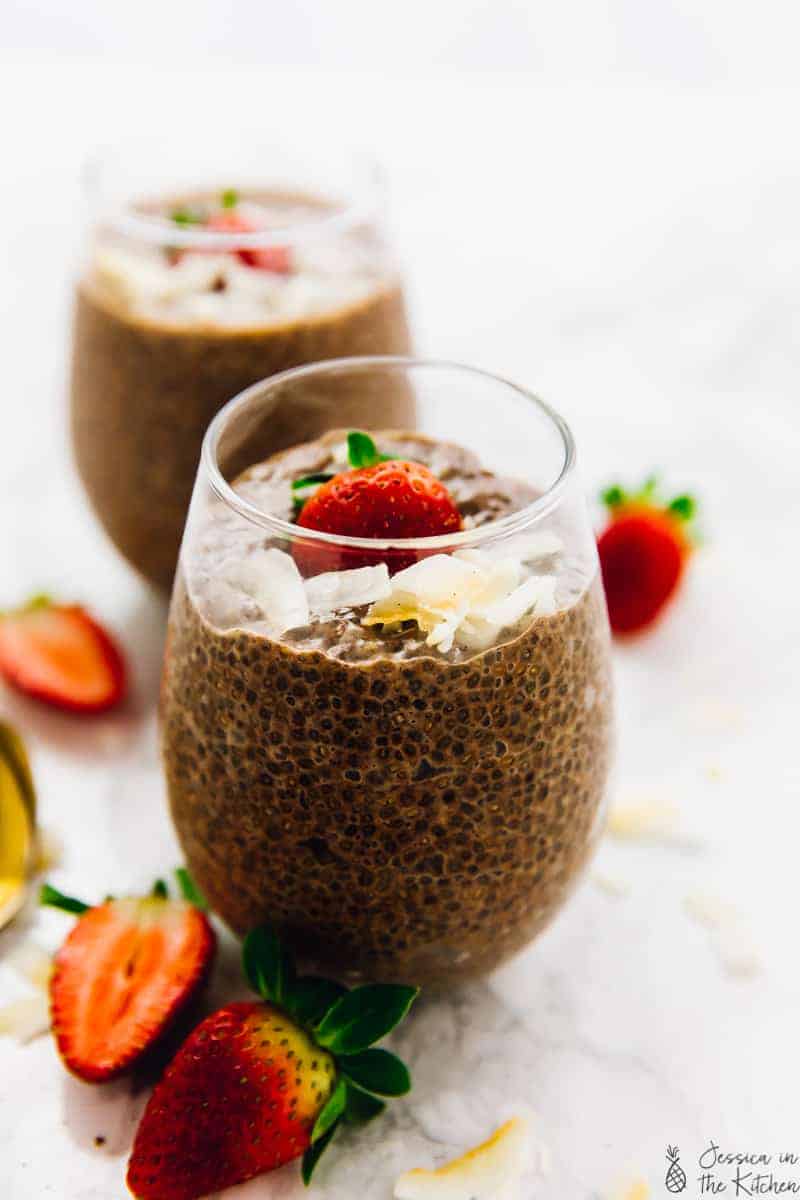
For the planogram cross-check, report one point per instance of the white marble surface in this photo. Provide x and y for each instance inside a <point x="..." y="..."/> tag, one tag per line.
<point x="634" y="256"/>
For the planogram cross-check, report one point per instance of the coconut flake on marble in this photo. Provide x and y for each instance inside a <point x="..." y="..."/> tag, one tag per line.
<point x="271" y="578"/>
<point x="335" y="590"/>
<point x="486" y="1172"/>
<point x="26" y="1018"/>
<point x="730" y="938"/>
<point x="31" y="962"/>
<point x="651" y="821"/>
<point x="611" y="884"/>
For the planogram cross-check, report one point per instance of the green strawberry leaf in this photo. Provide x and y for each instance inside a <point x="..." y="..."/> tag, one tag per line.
<point x="229" y="198"/>
<point x="377" y="1071"/>
<point x="363" y="1016"/>
<point x="189" y="889"/>
<point x="309" y="480"/>
<point x="684" y="506"/>
<point x="267" y="965"/>
<point x="361" y="450"/>
<point x="331" y="1112"/>
<point x="310" y="997"/>
<point x="361" y="1107"/>
<point x="614" y="496"/>
<point x="160" y="890"/>
<point x="315" y="1151"/>
<point x="52" y="898"/>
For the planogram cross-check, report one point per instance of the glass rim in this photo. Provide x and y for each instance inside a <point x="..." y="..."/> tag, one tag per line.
<point x="362" y="205"/>
<point x="514" y="523"/>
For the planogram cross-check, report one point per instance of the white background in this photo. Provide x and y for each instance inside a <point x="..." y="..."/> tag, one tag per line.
<point x="601" y="201"/>
<point x="714" y="42"/>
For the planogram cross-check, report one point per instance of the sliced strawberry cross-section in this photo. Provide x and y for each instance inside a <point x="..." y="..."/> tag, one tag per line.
<point x="57" y="653"/>
<point x="125" y="970"/>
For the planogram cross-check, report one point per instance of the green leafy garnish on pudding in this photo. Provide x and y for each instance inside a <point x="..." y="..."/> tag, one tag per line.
<point x="361" y="452"/>
<point x="185" y="216"/>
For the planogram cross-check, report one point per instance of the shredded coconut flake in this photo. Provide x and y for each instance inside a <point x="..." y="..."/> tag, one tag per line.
<point x="486" y="1172"/>
<point x="730" y="938"/>
<point x="611" y="885"/>
<point x="335" y="590"/>
<point x="645" y="821"/>
<point x="466" y="597"/>
<point x="638" y="1189"/>
<point x="33" y="963"/>
<point x="272" y="580"/>
<point x="27" y="1018"/>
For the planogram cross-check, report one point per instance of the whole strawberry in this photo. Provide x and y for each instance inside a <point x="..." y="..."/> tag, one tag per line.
<point x="380" y="497"/>
<point x="125" y="971"/>
<point x="643" y="554"/>
<point x="258" y="1084"/>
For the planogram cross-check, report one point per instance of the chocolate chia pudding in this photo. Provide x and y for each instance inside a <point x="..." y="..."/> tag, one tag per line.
<point x="165" y="334"/>
<point x="407" y="773"/>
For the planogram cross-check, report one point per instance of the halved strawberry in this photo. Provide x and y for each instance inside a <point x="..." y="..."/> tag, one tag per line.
<point x="643" y="553"/>
<point x="60" y="655"/>
<point x="259" y="1084"/>
<point x="125" y="971"/>
<point x="380" y="497"/>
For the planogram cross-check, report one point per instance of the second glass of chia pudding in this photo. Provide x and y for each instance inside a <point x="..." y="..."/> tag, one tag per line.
<point x="207" y="268"/>
<point x="386" y="706"/>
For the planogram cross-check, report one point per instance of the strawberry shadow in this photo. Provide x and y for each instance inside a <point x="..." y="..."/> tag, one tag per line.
<point x="102" y="1117"/>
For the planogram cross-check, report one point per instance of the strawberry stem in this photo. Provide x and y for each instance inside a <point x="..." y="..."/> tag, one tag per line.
<point x="160" y="891"/>
<point x="52" y="898"/>
<point x="189" y="889"/>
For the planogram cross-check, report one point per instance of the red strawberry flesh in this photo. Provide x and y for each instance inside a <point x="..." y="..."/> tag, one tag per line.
<point x="267" y="258"/>
<point x="124" y="972"/>
<point x="240" y="1097"/>
<point x="394" y="499"/>
<point x="60" y="655"/>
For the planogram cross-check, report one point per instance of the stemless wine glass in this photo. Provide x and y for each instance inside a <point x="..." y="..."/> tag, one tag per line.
<point x="209" y="267"/>
<point x="394" y="750"/>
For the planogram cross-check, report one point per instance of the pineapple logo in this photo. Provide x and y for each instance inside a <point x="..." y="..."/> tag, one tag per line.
<point x="675" y="1180"/>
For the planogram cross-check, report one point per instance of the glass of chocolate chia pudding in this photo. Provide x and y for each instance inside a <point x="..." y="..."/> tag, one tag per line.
<point x="199" y="280"/>
<point x="392" y="743"/>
